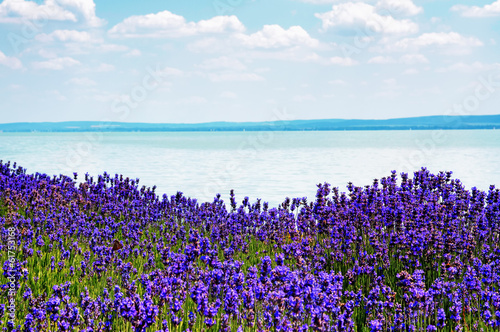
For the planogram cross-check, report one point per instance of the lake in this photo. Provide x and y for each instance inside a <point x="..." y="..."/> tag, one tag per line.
<point x="267" y="165"/>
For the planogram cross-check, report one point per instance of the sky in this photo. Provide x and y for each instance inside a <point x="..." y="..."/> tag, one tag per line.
<point x="246" y="60"/>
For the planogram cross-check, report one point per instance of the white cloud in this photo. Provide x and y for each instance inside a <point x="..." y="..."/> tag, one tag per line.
<point x="406" y="59"/>
<point x="271" y="42"/>
<point x="111" y="48"/>
<point x="475" y="11"/>
<point x="48" y="54"/>
<point x="274" y="36"/>
<point x="65" y="36"/>
<point x="93" y="48"/>
<point x="297" y="54"/>
<point x="80" y="42"/>
<point x="450" y="42"/>
<point x="56" y="64"/>
<point x="223" y="62"/>
<point x="17" y="11"/>
<point x="169" y="25"/>
<point x="209" y="45"/>
<point x="441" y="39"/>
<point x="220" y="24"/>
<point x="411" y="59"/>
<point x="398" y="7"/>
<point x="359" y="15"/>
<point x="82" y="81"/>
<point x="20" y="11"/>
<point x="86" y="8"/>
<point x="392" y="7"/>
<point x="9" y="61"/>
<point x="337" y="60"/>
<point x="293" y="54"/>
<point x="474" y="67"/>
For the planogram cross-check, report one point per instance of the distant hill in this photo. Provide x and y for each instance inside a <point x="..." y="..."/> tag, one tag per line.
<point x="415" y="123"/>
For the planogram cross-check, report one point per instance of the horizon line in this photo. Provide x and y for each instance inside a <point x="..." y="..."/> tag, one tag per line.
<point x="242" y="122"/>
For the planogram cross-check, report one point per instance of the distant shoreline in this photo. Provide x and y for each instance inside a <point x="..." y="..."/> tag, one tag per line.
<point x="226" y="131"/>
<point x="439" y="122"/>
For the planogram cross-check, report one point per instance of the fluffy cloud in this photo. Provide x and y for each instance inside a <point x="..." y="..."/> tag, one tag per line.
<point x="11" y="62"/>
<point x="65" y="36"/>
<point x="19" y="11"/>
<point x="167" y="24"/>
<point x="78" y="42"/>
<point x="294" y="54"/>
<point x="392" y="7"/>
<point x="274" y="36"/>
<point x="56" y="64"/>
<point x="209" y="45"/>
<point x="412" y="59"/>
<point x="15" y="11"/>
<point x="107" y="48"/>
<point x="406" y="59"/>
<point x="437" y="39"/>
<point x="337" y="60"/>
<point x="268" y="42"/>
<point x="85" y="8"/>
<point x="359" y="15"/>
<point x="398" y="7"/>
<point x="474" y="67"/>
<point x="475" y="11"/>
<point x="81" y="42"/>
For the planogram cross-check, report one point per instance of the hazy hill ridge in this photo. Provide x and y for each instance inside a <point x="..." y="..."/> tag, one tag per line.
<point x="415" y="123"/>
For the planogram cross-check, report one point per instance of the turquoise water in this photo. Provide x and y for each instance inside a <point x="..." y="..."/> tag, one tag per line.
<point x="267" y="165"/>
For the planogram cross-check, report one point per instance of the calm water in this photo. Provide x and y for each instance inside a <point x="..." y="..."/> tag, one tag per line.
<point x="267" y="165"/>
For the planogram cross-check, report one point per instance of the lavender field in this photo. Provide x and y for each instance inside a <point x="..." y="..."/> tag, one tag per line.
<point x="249" y="166"/>
<point x="406" y="253"/>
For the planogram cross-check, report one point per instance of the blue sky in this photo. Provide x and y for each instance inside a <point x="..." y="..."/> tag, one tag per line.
<point x="241" y="60"/>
